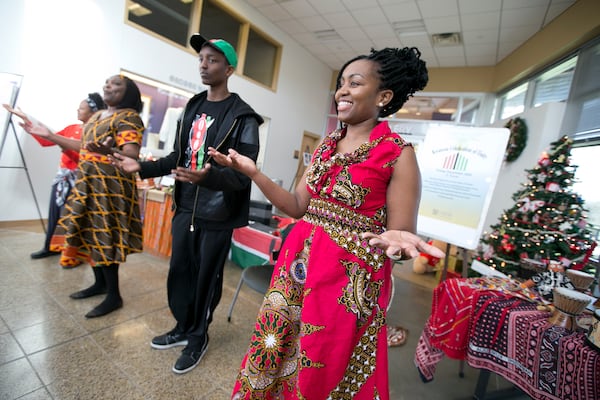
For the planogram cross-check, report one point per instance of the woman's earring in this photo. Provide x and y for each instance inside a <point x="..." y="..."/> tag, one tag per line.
<point x="380" y="104"/>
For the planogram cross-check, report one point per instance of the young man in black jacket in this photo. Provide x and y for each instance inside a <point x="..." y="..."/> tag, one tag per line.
<point x="209" y="200"/>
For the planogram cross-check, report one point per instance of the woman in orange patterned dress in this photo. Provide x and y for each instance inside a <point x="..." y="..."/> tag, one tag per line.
<point x="321" y="330"/>
<point x="101" y="219"/>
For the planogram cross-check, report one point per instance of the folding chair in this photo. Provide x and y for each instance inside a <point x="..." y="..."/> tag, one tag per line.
<point x="258" y="277"/>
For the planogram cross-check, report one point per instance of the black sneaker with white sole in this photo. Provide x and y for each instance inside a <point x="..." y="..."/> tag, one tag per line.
<point x="189" y="358"/>
<point x="168" y="340"/>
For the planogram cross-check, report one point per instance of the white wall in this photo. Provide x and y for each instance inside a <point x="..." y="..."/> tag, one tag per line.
<point x="543" y="127"/>
<point x="67" y="48"/>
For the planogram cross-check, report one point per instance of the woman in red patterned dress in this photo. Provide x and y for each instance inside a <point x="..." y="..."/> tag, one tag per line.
<point x="321" y="330"/>
<point x="101" y="221"/>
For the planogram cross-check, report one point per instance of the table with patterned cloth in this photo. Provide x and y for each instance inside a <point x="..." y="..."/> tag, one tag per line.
<point x="497" y="330"/>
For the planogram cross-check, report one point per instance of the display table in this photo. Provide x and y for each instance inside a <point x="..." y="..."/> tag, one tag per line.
<point x="498" y="332"/>
<point x="157" y="214"/>
<point x="254" y="244"/>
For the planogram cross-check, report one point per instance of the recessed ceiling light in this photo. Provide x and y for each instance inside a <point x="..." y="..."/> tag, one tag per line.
<point x="446" y="39"/>
<point x="415" y="25"/>
<point x="327" y="34"/>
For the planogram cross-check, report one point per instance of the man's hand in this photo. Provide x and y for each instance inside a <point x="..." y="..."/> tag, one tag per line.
<point x="124" y="163"/>
<point x="187" y="175"/>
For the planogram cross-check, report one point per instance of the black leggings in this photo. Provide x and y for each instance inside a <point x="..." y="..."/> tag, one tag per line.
<point x="53" y="215"/>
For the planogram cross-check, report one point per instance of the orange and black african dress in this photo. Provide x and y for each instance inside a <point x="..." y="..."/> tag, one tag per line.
<point x="321" y="330"/>
<point x="101" y="219"/>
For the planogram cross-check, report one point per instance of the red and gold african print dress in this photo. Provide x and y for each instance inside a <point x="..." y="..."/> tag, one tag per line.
<point x="321" y="330"/>
<point x="101" y="219"/>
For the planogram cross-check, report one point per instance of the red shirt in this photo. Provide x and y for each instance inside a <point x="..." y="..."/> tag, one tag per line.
<point x="69" y="158"/>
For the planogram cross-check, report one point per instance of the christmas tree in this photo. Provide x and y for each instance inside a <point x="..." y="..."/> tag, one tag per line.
<point x="546" y="224"/>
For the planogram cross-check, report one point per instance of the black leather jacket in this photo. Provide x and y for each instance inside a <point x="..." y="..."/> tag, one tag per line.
<point x="222" y="200"/>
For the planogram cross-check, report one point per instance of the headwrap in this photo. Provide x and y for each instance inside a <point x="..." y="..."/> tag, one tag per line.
<point x="95" y="102"/>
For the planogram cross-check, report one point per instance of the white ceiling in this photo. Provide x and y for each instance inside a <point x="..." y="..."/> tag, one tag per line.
<point x="335" y="31"/>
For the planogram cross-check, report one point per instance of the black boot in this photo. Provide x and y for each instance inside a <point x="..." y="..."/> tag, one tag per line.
<point x="99" y="286"/>
<point x="113" y="300"/>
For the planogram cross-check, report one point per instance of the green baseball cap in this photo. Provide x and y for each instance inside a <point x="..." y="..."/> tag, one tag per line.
<point x="197" y="41"/>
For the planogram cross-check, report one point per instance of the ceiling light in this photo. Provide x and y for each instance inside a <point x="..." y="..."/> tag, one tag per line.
<point x="446" y="39"/>
<point x="327" y="34"/>
<point x="186" y="1"/>
<point x="415" y="25"/>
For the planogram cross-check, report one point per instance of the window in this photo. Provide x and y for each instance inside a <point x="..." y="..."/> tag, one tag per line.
<point x="582" y="117"/>
<point x="513" y="102"/>
<point x="162" y="105"/>
<point x="176" y="20"/>
<point x="216" y="23"/>
<point x="573" y="80"/>
<point x="443" y="107"/>
<point x="168" y="18"/>
<point x="586" y="160"/>
<point x="469" y="115"/>
<point x="555" y="84"/>
<point x="262" y="65"/>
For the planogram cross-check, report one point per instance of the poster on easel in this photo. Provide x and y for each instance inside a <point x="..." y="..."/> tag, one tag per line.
<point x="459" y="169"/>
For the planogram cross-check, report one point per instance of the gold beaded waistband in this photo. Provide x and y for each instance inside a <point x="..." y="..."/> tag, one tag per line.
<point x="330" y="215"/>
<point x="344" y="226"/>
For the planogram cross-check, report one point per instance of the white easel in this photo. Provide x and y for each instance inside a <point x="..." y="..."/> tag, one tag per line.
<point x="12" y="84"/>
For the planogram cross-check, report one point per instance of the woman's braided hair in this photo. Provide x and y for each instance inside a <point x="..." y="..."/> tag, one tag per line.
<point x="400" y="70"/>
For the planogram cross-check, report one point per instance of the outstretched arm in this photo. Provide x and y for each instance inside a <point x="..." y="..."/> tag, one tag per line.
<point x="292" y="204"/>
<point x="37" y="128"/>
<point x="125" y="163"/>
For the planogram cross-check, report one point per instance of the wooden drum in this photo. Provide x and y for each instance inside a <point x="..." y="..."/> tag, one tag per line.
<point x="569" y="304"/>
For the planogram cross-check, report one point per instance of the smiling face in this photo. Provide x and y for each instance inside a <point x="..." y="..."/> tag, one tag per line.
<point x="214" y="68"/>
<point x="359" y="93"/>
<point x="114" y="90"/>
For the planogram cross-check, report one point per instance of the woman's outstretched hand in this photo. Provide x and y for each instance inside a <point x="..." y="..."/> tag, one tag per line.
<point x="36" y="128"/>
<point x="401" y="244"/>
<point x="18" y="112"/>
<point x="234" y="160"/>
<point x="105" y="147"/>
<point x="28" y="124"/>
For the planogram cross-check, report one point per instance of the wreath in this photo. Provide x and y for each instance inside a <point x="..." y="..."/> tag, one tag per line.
<point x="517" y="140"/>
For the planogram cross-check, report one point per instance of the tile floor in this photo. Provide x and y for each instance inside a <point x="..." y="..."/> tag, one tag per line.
<point x="49" y="350"/>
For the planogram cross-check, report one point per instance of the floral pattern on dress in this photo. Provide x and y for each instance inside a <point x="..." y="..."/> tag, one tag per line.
<point x="321" y="331"/>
